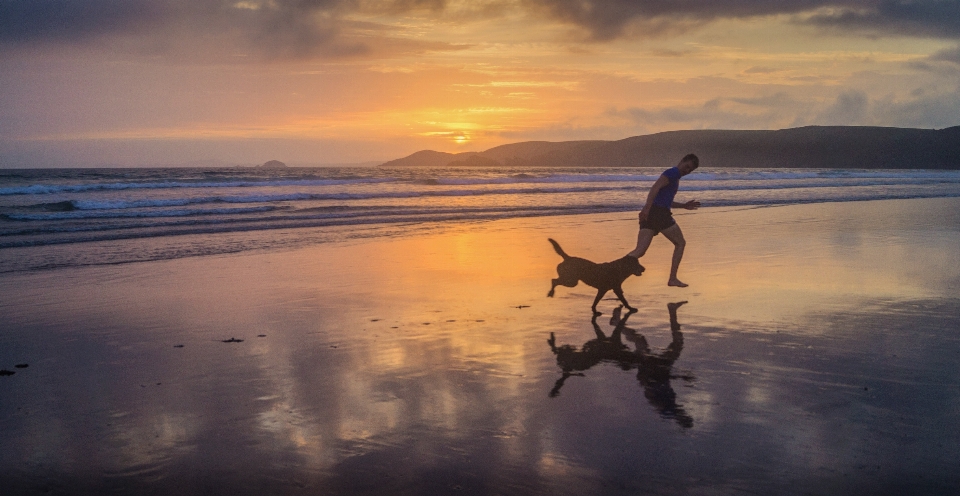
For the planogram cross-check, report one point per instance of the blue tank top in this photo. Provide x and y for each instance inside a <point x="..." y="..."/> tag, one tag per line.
<point x="665" y="195"/>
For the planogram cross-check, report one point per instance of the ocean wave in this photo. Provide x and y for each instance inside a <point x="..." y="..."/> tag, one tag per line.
<point x="689" y="186"/>
<point x="47" y="189"/>
<point x="291" y="197"/>
<point x="516" y="178"/>
<point x="78" y="214"/>
<point x="386" y="216"/>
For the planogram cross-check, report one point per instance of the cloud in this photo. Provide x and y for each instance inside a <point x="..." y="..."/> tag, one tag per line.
<point x="936" y="110"/>
<point x="924" y="18"/>
<point x="304" y="28"/>
<point x="947" y="55"/>
<point x="758" y="69"/>
<point x="779" y="110"/>
<point x="23" y="21"/>
<point x="850" y="108"/>
<point x="713" y="114"/>
<point x="269" y="28"/>
<point x="854" y="107"/>
<point x="776" y="100"/>
<point x="609" y="19"/>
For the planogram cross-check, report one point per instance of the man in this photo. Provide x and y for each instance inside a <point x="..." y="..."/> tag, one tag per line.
<point x="656" y="217"/>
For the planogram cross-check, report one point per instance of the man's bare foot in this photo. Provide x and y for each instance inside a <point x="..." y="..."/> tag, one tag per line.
<point x="676" y="282"/>
<point x="674" y="306"/>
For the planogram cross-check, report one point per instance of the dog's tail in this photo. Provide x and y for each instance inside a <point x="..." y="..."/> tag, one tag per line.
<point x="556" y="246"/>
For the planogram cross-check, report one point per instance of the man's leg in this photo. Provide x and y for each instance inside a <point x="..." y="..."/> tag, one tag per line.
<point x="675" y="236"/>
<point x="643" y="242"/>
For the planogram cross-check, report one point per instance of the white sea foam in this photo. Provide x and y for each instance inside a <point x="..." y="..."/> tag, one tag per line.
<point x="44" y="189"/>
<point x="454" y="180"/>
<point x="78" y="214"/>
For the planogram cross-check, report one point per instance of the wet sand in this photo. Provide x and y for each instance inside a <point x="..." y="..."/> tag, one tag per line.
<point x="816" y="354"/>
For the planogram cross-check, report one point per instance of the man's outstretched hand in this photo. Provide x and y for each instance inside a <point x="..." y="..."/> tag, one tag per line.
<point x="691" y="205"/>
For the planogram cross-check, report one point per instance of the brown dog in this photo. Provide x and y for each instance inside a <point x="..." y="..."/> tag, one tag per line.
<point x="604" y="276"/>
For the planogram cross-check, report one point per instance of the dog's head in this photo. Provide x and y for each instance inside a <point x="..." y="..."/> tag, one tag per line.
<point x="633" y="265"/>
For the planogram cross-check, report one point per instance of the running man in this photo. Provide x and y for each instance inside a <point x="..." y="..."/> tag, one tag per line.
<point x="656" y="217"/>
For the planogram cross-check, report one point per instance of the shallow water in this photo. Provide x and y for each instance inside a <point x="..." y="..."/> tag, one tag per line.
<point x="816" y="354"/>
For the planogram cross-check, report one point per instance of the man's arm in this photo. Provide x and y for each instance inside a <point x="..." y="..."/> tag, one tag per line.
<point x="690" y="205"/>
<point x="660" y="183"/>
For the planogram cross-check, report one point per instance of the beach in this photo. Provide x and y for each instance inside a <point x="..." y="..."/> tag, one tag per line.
<point x="816" y="353"/>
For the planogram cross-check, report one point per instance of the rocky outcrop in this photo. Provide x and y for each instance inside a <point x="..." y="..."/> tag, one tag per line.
<point x="272" y="164"/>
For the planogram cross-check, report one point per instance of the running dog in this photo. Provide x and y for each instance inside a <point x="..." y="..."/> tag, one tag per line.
<point x="603" y="276"/>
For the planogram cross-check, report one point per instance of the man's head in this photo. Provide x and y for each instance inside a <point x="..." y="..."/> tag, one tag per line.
<point x="688" y="164"/>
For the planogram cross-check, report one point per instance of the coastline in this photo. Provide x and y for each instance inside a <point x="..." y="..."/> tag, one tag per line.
<point x="817" y="356"/>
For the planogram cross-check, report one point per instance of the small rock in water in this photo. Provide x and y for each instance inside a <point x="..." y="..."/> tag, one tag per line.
<point x="233" y="340"/>
<point x="261" y="335"/>
<point x="375" y="320"/>
<point x="22" y="365"/>
<point x="6" y="372"/>
<point x="178" y="346"/>
<point x="523" y="306"/>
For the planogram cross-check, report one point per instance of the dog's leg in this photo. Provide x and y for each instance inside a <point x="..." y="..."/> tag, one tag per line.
<point x="559" y="384"/>
<point x="553" y="286"/>
<point x="619" y="292"/>
<point x="596" y="327"/>
<point x="600" y="293"/>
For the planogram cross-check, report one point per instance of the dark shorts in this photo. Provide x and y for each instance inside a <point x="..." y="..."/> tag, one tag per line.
<point x="659" y="219"/>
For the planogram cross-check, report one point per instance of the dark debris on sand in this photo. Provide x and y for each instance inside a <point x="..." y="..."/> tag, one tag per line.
<point x="6" y="372"/>
<point x="233" y="340"/>
<point x="22" y="365"/>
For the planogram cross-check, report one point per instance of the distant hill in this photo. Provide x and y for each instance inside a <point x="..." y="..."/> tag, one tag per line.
<point x="803" y="147"/>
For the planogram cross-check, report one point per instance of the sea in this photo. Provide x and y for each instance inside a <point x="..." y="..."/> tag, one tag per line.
<point x="53" y="218"/>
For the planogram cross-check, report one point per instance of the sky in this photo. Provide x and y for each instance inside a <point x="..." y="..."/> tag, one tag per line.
<point x="309" y="82"/>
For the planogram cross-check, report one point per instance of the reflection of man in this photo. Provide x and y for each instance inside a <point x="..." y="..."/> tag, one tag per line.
<point x="653" y="369"/>
<point x="656" y="216"/>
<point x="654" y="375"/>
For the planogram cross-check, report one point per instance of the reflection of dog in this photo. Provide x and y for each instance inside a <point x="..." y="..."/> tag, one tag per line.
<point x="604" y="276"/>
